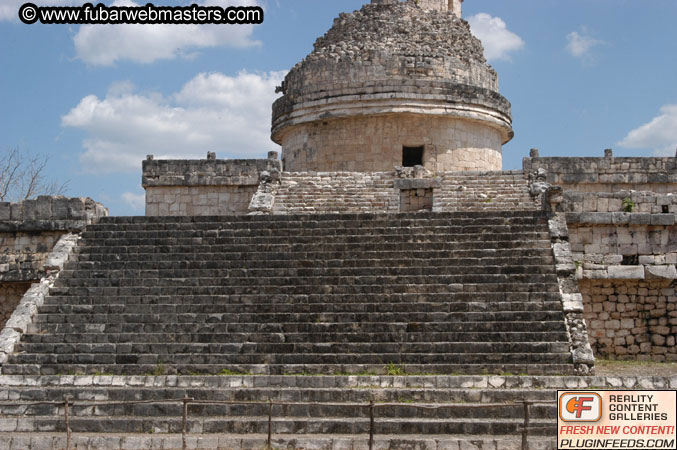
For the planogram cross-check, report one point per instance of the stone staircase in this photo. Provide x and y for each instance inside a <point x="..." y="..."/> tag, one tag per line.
<point x="426" y="293"/>
<point x="379" y="192"/>
<point x="329" y="412"/>
<point x="483" y="191"/>
<point x="323" y="192"/>
<point x="317" y="310"/>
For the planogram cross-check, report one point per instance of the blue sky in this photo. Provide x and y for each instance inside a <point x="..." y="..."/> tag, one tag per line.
<point x="582" y="76"/>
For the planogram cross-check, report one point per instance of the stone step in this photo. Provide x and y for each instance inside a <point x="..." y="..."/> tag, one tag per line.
<point x="260" y="263"/>
<point x="349" y="219"/>
<point x="280" y="272"/>
<point x="249" y="425"/>
<point x="487" y="235"/>
<point x="452" y="203"/>
<point x="337" y="381"/>
<point x="109" y="441"/>
<point x="470" y="298"/>
<point x="219" y="232"/>
<point x="514" y="253"/>
<point x="320" y="246"/>
<point x="324" y="317"/>
<point x="342" y="282"/>
<point x="276" y="227"/>
<point x="181" y="287"/>
<point x="117" y="307"/>
<point x="483" y="326"/>
<point x="287" y="369"/>
<point x="227" y="359"/>
<point x="358" y="348"/>
<point x="526" y="336"/>
<point x="314" y="393"/>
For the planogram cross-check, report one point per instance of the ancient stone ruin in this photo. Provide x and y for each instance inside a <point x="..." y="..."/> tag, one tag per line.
<point x="384" y="262"/>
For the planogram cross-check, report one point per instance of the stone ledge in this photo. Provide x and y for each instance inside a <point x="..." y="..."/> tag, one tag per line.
<point x="57" y="441"/>
<point x="387" y="103"/>
<point x="619" y="218"/>
<point x="344" y="381"/>
<point x="417" y="183"/>
<point x="635" y="272"/>
<point x="42" y="225"/>
<point x="637" y="170"/>
<point x="212" y="172"/>
<point x="48" y="213"/>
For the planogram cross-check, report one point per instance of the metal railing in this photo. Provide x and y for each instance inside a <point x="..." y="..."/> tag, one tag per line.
<point x="69" y="404"/>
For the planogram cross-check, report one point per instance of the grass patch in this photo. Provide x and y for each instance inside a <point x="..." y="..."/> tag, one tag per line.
<point x="631" y="363"/>
<point x="395" y="369"/>
<point x="225" y="372"/>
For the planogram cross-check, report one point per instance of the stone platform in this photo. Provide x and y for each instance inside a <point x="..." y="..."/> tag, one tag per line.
<point x="331" y="421"/>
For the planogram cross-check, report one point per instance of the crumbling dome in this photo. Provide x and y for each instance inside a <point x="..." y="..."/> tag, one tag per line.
<point x="388" y="82"/>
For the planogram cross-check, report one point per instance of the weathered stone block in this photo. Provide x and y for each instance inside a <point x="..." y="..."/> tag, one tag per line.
<point x="665" y="271"/>
<point x="626" y="272"/>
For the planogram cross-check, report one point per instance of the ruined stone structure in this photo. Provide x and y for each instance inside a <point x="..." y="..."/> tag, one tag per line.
<point x="621" y="218"/>
<point x="28" y="232"/>
<point x="396" y="83"/>
<point x="203" y="188"/>
<point x="384" y="255"/>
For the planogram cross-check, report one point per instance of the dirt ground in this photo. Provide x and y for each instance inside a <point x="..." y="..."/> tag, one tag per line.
<point x="635" y="368"/>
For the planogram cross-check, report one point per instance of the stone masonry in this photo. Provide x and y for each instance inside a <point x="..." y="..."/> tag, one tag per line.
<point x="28" y="232"/>
<point x="621" y="215"/>
<point x="203" y="187"/>
<point x="390" y="75"/>
<point x="384" y="254"/>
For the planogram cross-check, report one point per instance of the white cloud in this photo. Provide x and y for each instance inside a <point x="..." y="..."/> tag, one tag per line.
<point x="212" y="112"/>
<point x="497" y="40"/>
<point x="104" y="45"/>
<point x="580" y="44"/>
<point x="9" y="9"/>
<point x="135" y="201"/>
<point x="659" y="135"/>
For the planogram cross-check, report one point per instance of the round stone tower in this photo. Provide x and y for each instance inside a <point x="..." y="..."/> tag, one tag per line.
<point x="395" y="83"/>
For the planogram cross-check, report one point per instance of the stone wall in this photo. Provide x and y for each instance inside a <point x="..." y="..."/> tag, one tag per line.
<point x="415" y="200"/>
<point x="29" y="231"/>
<point x="22" y="314"/>
<point x="645" y="202"/>
<point x="10" y="296"/>
<point x="608" y="174"/>
<point x="631" y="319"/>
<point x="49" y="213"/>
<point x="22" y="254"/>
<point x="208" y="187"/>
<point x="621" y="215"/>
<point x="627" y="251"/>
<point x="198" y="200"/>
<point x="436" y="5"/>
<point x="375" y="144"/>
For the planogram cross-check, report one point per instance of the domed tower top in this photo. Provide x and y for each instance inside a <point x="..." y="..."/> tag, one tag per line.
<point x="392" y="80"/>
<point x="434" y="5"/>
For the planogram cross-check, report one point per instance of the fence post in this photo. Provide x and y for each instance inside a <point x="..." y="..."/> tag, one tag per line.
<point x="525" y="427"/>
<point x="371" y="424"/>
<point x="270" y="424"/>
<point x="68" y="422"/>
<point x="184" y="424"/>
